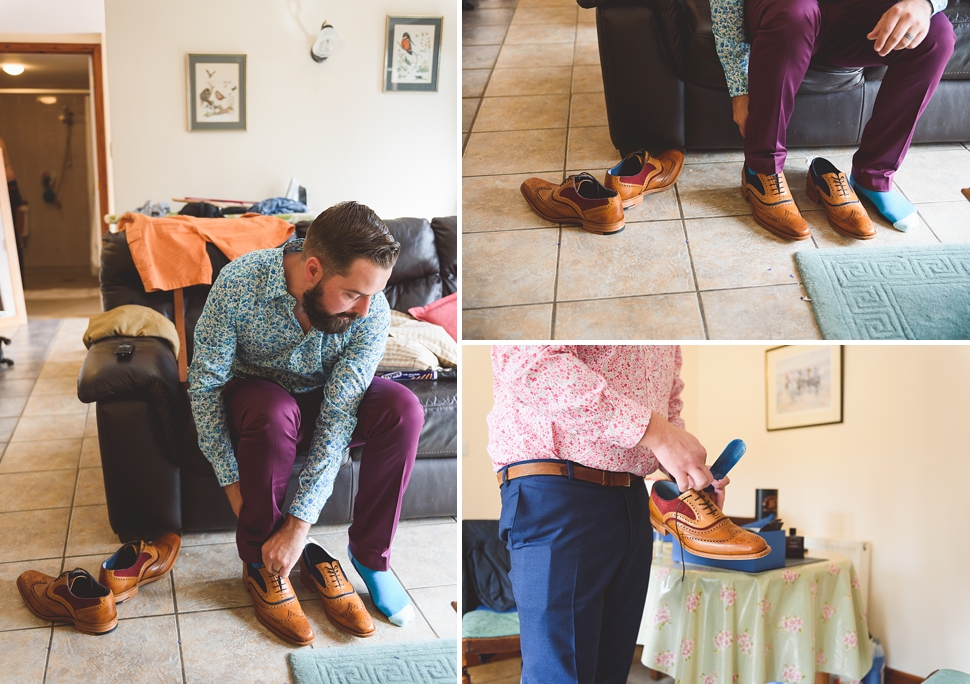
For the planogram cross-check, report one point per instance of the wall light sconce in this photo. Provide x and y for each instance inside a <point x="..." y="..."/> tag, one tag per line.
<point x="47" y="99"/>
<point x="14" y="69"/>
<point x="327" y="44"/>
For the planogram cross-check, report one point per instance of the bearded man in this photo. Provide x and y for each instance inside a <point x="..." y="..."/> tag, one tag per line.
<point x="285" y="354"/>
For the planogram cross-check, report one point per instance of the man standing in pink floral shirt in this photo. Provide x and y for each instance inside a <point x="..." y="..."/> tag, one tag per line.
<point x="573" y="432"/>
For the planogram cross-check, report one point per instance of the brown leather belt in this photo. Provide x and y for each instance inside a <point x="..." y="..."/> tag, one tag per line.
<point x="601" y="477"/>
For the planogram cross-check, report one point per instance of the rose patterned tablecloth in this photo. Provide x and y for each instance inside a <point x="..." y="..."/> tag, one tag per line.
<point x="727" y="627"/>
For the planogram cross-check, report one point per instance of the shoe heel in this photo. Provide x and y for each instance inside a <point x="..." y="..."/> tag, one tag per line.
<point x="812" y="191"/>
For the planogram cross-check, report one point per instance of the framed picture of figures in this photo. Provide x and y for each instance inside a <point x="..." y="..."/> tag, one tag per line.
<point x="217" y="92"/>
<point x="411" y="52"/>
<point x="803" y="386"/>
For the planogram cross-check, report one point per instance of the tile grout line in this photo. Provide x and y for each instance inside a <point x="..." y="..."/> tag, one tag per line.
<point x="690" y="258"/>
<point x="491" y="72"/>
<point x="565" y="164"/>
<point x="178" y="626"/>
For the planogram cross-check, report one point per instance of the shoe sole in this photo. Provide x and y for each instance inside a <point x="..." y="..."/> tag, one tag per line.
<point x="84" y="628"/>
<point x="596" y="228"/>
<point x="813" y="195"/>
<point x="663" y="529"/>
<point x="638" y="199"/>
<point x="312" y="586"/>
<point x="767" y="226"/>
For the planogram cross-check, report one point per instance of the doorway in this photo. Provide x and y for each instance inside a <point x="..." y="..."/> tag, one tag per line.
<point x="52" y="125"/>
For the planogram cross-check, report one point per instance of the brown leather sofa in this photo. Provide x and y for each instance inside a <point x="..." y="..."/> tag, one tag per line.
<point x="156" y="478"/>
<point x="665" y="86"/>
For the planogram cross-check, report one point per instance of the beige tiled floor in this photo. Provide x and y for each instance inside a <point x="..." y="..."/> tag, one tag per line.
<point x="197" y="625"/>
<point x="691" y="264"/>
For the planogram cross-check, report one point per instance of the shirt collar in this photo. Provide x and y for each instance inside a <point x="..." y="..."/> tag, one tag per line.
<point x="276" y="279"/>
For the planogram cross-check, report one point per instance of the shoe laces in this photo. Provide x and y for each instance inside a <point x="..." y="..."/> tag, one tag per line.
<point x="843" y="184"/>
<point x="335" y="575"/>
<point x="705" y="502"/>
<point x="281" y="584"/>
<point x="777" y="182"/>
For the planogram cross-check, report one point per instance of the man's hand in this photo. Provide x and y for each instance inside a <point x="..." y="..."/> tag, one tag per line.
<point x="282" y="550"/>
<point x="740" y="106"/>
<point x="234" y="496"/>
<point x="679" y="453"/>
<point x="903" y="26"/>
<point x="719" y="491"/>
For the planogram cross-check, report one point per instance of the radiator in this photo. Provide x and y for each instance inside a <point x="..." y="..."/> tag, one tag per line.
<point x="859" y="552"/>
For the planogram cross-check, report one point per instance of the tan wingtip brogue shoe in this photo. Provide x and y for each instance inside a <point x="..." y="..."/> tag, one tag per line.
<point x="579" y="199"/>
<point x="74" y="597"/>
<point x="772" y="204"/>
<point x="830" y="187"/>
<point x="700" y="526"/>
<point x="641" y="174"/>
<point x="343" y="606"/>
<point x="138" y="563"/>
<point x="276" y="605"/>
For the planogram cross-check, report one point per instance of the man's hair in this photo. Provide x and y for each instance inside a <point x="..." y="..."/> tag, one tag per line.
<point x="346" y="232"/>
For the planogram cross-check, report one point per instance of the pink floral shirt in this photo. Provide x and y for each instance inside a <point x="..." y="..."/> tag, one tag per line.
<point x="586" y="404"/>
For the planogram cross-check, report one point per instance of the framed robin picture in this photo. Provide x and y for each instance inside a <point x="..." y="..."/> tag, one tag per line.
<point x="217" y="92"/>
<point x="411" y="53"/>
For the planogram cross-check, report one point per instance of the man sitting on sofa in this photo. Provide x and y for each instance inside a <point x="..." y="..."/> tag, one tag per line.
<point x="285" y="354"/>
<point x="909" y="36"/>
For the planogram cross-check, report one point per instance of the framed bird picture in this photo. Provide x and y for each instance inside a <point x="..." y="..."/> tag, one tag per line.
<point x="411" y="53"/>
<point x="217" y="92"/>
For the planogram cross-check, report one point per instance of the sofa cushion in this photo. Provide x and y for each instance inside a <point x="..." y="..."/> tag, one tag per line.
<point x="958" y="68"/>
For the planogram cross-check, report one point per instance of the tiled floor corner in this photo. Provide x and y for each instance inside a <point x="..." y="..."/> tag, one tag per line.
<point x="197" y="624"/>
<point x="691" y="263"/>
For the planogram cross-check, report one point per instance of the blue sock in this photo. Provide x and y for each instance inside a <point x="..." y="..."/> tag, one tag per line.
<point x="256" y="566"/>
<point x="896" y="208"/>
<point x="388" y="594"/>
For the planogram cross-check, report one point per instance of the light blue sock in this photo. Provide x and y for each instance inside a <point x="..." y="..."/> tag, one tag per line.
<point x="388" y="594"/>
<point x="892" y="205"/>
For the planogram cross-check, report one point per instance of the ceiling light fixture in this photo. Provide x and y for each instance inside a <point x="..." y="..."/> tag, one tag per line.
<point x="14" y="69"/>
<point x="328" y="43"/>
<point x="47" y="99"/>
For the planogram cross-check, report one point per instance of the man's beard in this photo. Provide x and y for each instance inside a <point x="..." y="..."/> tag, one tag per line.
<point x="320" y="318"/>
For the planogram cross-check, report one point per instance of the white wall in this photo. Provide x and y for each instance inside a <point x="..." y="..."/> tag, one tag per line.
<point x="894" y="473"/>
<point x="52" y="16"/>
<point x="329" y="124"/>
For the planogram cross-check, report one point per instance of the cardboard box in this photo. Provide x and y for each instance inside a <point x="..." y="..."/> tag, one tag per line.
<point x="775" y="559"/>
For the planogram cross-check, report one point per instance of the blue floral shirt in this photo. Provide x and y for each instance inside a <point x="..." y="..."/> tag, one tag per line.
<point x="248" y="329"/>
<point x="733" y="51"/>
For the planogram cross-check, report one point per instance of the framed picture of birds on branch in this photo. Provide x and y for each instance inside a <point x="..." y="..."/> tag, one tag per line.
<point x="411" y="53"/>
<point x="217" y="92"/>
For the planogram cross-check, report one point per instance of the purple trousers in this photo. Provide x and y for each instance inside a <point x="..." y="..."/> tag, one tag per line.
<point x="267" y="424"/>
<point x="786" y="34"/>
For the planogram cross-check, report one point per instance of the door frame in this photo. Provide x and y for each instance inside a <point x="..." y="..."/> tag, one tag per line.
<point x="97" y="89"/>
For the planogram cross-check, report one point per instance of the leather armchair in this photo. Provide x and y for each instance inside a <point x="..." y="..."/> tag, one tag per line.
<point x="665" y="87"/>
<point x="156" y="478"/>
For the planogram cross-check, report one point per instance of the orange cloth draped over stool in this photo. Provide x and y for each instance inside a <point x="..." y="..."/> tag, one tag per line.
<point x="169" y="252"/>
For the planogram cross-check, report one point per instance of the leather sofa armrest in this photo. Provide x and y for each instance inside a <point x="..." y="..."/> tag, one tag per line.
<point x="150" y="371"/>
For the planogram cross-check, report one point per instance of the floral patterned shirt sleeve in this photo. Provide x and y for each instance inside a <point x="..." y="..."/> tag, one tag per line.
<point x="732" y="48"/>
<point x="588" y="404"/>
<point x="247" y="329"/>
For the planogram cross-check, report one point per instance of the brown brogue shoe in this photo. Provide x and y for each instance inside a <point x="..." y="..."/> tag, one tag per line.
<point x="277" y="606"/>
<point x="139" y="562"/>
<point x="700" y="526"/>
<point x="772" y="204"/>
<point x="640" y="174"/>
<point x="579" y="199"/>
<point x="343" y="606"/>
<point x="74" y="597"/>
<point x="830" y="187"/>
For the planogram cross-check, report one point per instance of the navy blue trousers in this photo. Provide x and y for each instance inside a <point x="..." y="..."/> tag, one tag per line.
<point x="580" y="564"/>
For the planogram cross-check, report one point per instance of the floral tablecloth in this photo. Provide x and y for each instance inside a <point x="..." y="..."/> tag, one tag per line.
<point x="727" y="627"/>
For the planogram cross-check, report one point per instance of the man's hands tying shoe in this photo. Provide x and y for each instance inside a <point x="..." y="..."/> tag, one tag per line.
<point x="902" y="27"/>
<point x="282" y="550"/>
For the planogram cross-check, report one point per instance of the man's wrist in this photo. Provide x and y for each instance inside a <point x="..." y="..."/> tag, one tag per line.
<point x="296" y="524"/>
